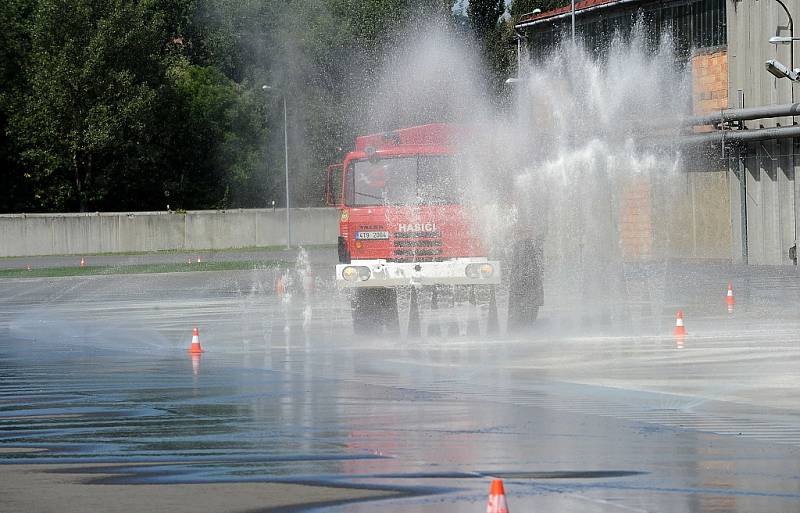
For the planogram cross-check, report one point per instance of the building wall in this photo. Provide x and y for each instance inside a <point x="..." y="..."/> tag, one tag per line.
<point x="757" y="181"/>
<point x="770" y="206"/>
<point x="65" y="234"/>
<point x="709" y="80"/>
<point x="763" y="174"/>
<point x="636" y="220"/>
<point x="692" y="218"/>
<point x="750" y="25"/>
<point x="687" y="217"/>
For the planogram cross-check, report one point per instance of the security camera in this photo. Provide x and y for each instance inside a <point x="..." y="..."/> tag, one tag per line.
<point x="781" y="71"/>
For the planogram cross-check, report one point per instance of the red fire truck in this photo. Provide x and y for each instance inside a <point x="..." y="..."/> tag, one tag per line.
<point x="402" y="224"/>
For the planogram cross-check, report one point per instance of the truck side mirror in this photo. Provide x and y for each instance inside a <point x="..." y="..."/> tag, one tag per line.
<point x="333" y="185"/>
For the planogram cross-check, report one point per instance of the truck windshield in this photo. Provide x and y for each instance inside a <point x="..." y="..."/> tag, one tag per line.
<point x="413" y="180"/>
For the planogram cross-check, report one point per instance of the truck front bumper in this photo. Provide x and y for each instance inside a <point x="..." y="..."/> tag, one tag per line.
<point x="380" y="273"/>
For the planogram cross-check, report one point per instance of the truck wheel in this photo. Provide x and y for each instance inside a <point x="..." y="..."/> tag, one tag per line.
<point x="341" y="249"/>
<point x="525" y="290"/>
<point x="374" y="309"/>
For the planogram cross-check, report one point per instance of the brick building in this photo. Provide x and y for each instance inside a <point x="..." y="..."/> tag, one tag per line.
<point x="698" y="31"/>
<point x="752" y="142"/>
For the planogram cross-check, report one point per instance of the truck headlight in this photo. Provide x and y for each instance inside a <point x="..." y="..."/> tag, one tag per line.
<point x="355" y="273"/>
<point x="479" y="270"/>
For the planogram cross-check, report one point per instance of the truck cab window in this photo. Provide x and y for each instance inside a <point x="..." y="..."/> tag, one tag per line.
<point x="437" y="181"/>
<point x="408" y="180"/>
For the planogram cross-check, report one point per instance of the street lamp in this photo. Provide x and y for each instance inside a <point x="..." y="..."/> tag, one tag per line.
<point x="520" y="37"/>
<point x="775" y="67"/>
<point x="286" y="163"/>
<point x="572" y="15"/>
<point x="780" y="70"/>
<point x="783" y="40"/>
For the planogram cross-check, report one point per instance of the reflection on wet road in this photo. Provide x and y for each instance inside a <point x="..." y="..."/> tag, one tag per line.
<point x="607" y="418"/>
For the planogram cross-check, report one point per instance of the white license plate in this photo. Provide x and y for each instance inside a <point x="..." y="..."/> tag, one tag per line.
<point x="372" y="235"/>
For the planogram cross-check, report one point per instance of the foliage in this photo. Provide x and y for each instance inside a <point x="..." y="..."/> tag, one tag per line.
<point x="140" y="104"/>
<point x="14" y="45"/>
<point x="110" y="113"/>
<point x="484" y="15"/>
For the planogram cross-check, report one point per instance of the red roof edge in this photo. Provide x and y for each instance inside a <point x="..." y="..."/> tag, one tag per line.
<point x="585" y="4"/>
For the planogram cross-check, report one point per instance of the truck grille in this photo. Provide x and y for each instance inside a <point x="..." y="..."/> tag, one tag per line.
<point x="417" y="246"/>
<point x="417" y="252"/>
<point x="417" y="243"/>
<point x="418" y="235"/>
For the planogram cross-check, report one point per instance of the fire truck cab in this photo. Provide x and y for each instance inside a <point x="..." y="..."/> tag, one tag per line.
<point x="402" y="222"/>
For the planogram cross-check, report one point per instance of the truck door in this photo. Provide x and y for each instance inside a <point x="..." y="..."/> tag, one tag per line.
<point x="333" y="186"/>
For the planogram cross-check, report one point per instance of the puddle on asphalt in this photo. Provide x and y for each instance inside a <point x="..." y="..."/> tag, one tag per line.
<point x="553" y="416"/>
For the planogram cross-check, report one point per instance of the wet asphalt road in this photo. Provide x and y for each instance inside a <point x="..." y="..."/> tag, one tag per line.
<point x="578" y="415"/>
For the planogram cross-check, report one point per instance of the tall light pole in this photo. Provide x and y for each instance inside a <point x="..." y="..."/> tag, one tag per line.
<point x="286" y="163"/>
<point x="790" y="41"/>
<point x="573" y="21"/>
<point x="520" y="37"/>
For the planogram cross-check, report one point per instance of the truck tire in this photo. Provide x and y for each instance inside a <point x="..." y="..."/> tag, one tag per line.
<point x="341" y="249"/>
<point x="525" y="288"/>
<point x="374" y="309"/>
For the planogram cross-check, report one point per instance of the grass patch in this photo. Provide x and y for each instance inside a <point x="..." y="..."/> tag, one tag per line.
<point x="94" y="270"/>
<point x="244" y="249"/>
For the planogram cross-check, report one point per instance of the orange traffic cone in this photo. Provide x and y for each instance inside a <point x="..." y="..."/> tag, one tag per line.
<point x="83" y="262"/>
<point x="195" y="349"/>
<point x="497" y="498"/>
<point x="729" y="298"/>
<point x="680" y="330"/>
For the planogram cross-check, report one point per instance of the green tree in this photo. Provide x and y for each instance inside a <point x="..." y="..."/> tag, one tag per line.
<point x="91" y="90"/>
<point x="493" y="36"/>
<point x="111" y="113"/>
<point x="14" y="47"/>
<point x="483" y="16"/>
<point x="223" y="125"/>
<point x="132" y="104"/>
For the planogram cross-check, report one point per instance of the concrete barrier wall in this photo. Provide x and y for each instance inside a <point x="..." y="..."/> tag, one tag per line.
<point x="118" y="232"/>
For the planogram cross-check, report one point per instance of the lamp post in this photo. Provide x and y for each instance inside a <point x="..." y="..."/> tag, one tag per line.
<point x="794" y="75"/>
<point x="572" y="15"/>
<point x="286" y="163"/>
<point x="785" y="40"/>
<point x="520" y="37"/>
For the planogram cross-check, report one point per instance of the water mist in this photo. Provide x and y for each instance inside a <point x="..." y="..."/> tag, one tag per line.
<point x="582" y="156"/>
<point x="585" y="161"/>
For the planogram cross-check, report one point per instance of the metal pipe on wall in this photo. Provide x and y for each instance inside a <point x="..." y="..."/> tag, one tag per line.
<point x="750" y="113"/>
<point x="741" y="136"/>
<point x="743" y="206"/>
